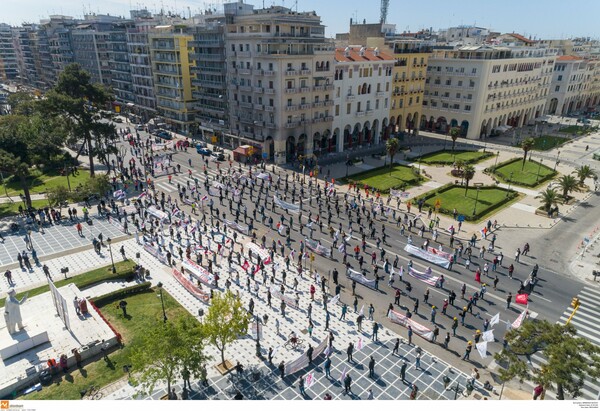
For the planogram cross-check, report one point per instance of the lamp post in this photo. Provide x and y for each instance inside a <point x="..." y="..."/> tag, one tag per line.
<point x="347" y="164"/>
<point x="258" y="322"/>
<point x="556" y="162"/>
<point x="537" y="178"/>
<point x="476" y="199"/>
<point x="509" y="181"/>
<point x="162" y="301"/>
<point x="496" y="162"/>
<point x="112" y="261"/>
<point x="67" y="173"/>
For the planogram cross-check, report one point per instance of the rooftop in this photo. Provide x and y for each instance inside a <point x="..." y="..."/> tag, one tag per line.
<point x="349" y="54"/>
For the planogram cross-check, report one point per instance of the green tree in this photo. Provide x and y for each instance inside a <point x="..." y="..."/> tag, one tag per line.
<point x="468" y="173"/>
<point x="391" y="146"/>
<point x="569" y="358"/>
<point x="73" y="99"/>
<point x="226" y="321"/>
<point x="459" y="164"/>
<point x="164" y="349"/>
<point x="548" y="197"/>
<point x="27" y="142"/>
<point x="21" y="103"/>
<point x="526" y="145"/>
<point x="99" y="185"/>
<point x="584" y="172"/>
<point x="57" y="196"/>
<point x="567" y="184"/>
<point x="454" y="133"/>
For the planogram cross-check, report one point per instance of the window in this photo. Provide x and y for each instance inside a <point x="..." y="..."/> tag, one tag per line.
<point x="247" y="47"/>
<point x="289" y="66"/>
<point x="368" y="105"/>
<point x="410" y="101"/>
<point x="386" y="103"/>
<point x="460" y="83"/>
<point x="358" y="106"/>
<point x="376" y="104"/>
<point x="467" y="108"/>
<point x="337" y="110"/>
<point x="350" y="73"/>
<point x="557" y="89"/>
<point x="560" y="78"/>
<point x="289" y="102"/>
<point x="233" y="47"/>
<point x="303" y="101"/>
<point x="270" y="102"/>
<point x="271" y="66"/>
<point x="401" y="103"/>
<point x="241" y="47"/>
<point x="474" y="71"/>
<point x="417" y="100"/>
<point x="349" y="108"/>
<point x="457" y="95"/>
<point x="471" y="83"/>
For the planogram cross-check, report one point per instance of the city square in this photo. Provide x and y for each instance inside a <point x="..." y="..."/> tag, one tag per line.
<point x="410" y="255"/>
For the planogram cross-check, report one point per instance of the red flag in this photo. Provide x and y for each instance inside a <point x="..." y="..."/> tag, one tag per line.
<point x="522" y="299"/>
<point x="245" y="266"/>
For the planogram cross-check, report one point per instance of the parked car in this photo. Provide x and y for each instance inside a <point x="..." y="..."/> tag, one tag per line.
<point x="164" y="135"/>
<point x="218" y="156"/>
<point x="203" y="151"/>
<point x="139" y="127"/>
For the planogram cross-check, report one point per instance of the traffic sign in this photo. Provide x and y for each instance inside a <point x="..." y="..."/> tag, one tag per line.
<point x="461" y="218"/>
<point x="265" y="155"/>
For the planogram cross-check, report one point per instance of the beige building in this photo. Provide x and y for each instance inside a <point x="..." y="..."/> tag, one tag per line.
<point x="486" y="89"/>
<point x="362" y="82"/>
<point x="280" y="81"/>
<point x="575" y="85"/>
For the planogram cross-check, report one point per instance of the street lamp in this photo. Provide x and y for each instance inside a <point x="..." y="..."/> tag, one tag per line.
<point x="509" y="181"/>
<point x="162" y="301"/>
<point x="496" y="162"/>
<point x="537" y="178"/>
<point x="258" y="322"/>
<point x="476" y="199"/>
<point x="109" y="240"/>
<point x="67" y="173"/>
<point x="556" y="162"/>
<point x="347" y="164"/>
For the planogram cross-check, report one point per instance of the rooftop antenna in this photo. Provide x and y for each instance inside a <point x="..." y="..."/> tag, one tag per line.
<point x="385" y="4"/>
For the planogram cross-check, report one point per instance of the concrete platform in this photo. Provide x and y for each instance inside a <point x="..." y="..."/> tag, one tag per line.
<point x="39" y="316"/>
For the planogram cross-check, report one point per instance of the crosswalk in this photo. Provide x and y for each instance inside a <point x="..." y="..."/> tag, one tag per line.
<point x="587" y="323"/>
<point x="182" y="178"/>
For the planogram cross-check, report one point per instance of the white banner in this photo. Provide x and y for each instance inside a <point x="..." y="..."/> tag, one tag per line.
<point x="289" y="301"/>
<point x="242" y="228"/>
<point x="432" y="258"/>
<point x="317" y="248"/>
<point x="294" y="208"/>
<point x="488" y="336"/>
<point x="404" y="321"/>
<point x="482" y="349"/>
<point x="199" y="272"/>
<point x="427" y="277"/>
<point x="495" y="320"/>
<point x="262" y="252"/>
<point x="302" y="361"/>
<point x="263" y="176"/>
<point x="191" y="287"/>
<point x="154" y="251"/>
<point x="155" y="212"/>
<point x="441" y="253"/>
<point x="359" y="278"/>
<point x="519" y="319"/>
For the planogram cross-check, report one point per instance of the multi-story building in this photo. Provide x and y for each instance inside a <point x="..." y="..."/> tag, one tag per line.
<point x="9" y="68"/>
<point x="57" y="50"/>
<point x="362" y="86"/>
<point x="122" y="85"/>
<point x="280" y="81"/>
<point x="574" y="85"/>
<point x="140" y="65"/>
<point x="171" y="68"/>
<point x="210" y="76"/>
<point x="484" y="88"/>
<point x="27" y="41"/>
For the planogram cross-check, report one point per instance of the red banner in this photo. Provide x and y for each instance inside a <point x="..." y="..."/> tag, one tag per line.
<point x="522" y="299"/>
<point x="191" y="287"/>
<point x="404" y="321"/>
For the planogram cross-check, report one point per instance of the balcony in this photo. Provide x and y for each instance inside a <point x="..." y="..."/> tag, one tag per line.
<point x="291" y="90"/>
<point x="328" y="103"/>
<point x="328" y="118"/>
<point x="360" y="113"/>
<point x="242" y="54"/>
<point x="291" y="72"/>
<point x="268" y="73"/>
<point x="292" y="124"/>
<point x="259" y="107"/>
<point x="270" y="91"/>
<point x="269" y="108"/>
<point x="245" y="88"/>
<point x="369" y="112"/>
<point x="304" y="106"/>
<point x="317" y="120"/>
<point x="350" y="97"/>
<point x="328" y="87"/>
<point x="304" y="89"/>
<point x="305" y="71"/>
<point x="259" y="89"/>
<point x="319" y="88"/>
<point x="246" y="105"/>
<point x="318" y="104"/>
<point x="244" y="72"/>
<point x="270" y="125"/>
<point x="292" y="107"/>
<point x="380" y="94"/>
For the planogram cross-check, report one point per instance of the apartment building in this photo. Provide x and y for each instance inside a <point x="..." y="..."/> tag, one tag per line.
<point x="171" y="69"/>
<point x="27" y="50"/>
<point x="210" y="76"/>
<point x="481" y="89"/>
<point x="118" y="54"/>
<point x="280" y="81"/>
<point x="9" y="68"/>
<point x="362" y="86"/>
<point x="57" y="50"/>
<point x="574" y="85"/>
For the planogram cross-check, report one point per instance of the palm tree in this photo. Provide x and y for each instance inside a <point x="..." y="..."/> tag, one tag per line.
<point x="549" y="198"/>
<point x="460" y="164"/>
<point x="391" y="147"/>
<point x="567" y="184"/>
<point x="526" y="145"/>
<point x="584" y="172"/>
<point x="454" y="133"/>
<point x="468" y="173"/>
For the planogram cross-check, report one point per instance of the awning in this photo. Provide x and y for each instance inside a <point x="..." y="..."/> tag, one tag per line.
<point x="240" y="150"/>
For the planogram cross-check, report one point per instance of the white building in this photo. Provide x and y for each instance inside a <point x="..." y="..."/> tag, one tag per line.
<point x="484" y="88"/>
<point x="362" y="83"/>
<point x="574" y="85"/>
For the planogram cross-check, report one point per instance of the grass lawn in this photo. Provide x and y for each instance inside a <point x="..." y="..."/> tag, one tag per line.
<point x="545" y="143"/>
<point x="145" y="310"/>
<point x="8" y="209"/>
<point x="489" y="199"/>
<point x="94" y="276"/>
<point x="527" y="176"/>
<point x="579" y="130"/>
<point x="381" y="178"/>
<point x="41" y="183"/>
<point x="448" y="157"/>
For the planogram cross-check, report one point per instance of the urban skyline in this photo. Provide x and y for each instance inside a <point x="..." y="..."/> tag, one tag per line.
<point x="561" y="19"/>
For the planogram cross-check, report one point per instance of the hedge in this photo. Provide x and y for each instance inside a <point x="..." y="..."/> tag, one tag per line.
<point x="122" y="293"/>
<point x="124" y="276"/>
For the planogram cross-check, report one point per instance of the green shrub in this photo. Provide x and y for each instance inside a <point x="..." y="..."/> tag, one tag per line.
<point x="122" y="293"/>
<point x="124" y="276"/>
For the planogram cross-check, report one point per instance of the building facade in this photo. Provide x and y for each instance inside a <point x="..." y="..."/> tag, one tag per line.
<point x="574" y="87"/>
<point x="9" y="69"/>
<point x="362" y="86"/>
<point x="280" y="81"/>
<point x="484" y="89"/>
<point x="171" y="69"/>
